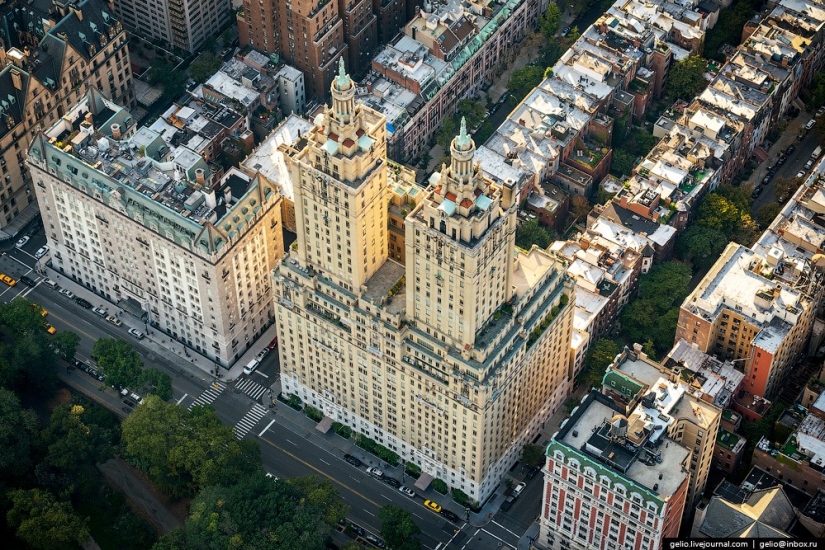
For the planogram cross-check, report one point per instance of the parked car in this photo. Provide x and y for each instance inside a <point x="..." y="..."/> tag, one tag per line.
<point x="756" y="191"/>
<point x="766" y="180"/>
<point x="352" y="460"/>
<point x="375" y="541"/>
<point x="450" y="516"/>
<point x="531" y="473"/>
<point x="357" y="529"/>
<point x="800" y="174"/>
<point x="811" y="123"/>
<point x="8" y="280"/>
<point x="130" y="403"/>
<point x="375" y="472"/>
<point x="820" y="111"/>
<point x="565" y="31"/>
<point x="136" y="333"/>
<point x="85" y="304"/>
<point x="67" y="293"/>
<point x="274" y="343"/>
<point x="99" y="311"/>
<point x="407" y="491"/>
<point x="22" y="242"/>
<point x="781" y="160"/>
<point x="392" y="482"/>
<point x="519" y="488"/>
<point x="50" y="329"/>
<point x="434" y="506"/>
<point x="790" y="149"/>
<point x="114" y="320"/>
<point x="27" y="281"/>
<point x="42" y="251"/>
<point x="273" y="477"/>
<point x="262" y="354"/>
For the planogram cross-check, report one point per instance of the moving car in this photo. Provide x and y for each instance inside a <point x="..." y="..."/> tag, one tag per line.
<point x="407" y="491"/>
<point x="352" y="460"/>
<point x="99" y="311"/>
<point x="22" y="242"/>
<point x="8" y="280"/>
<point x="434" y="506"/>
<point x="114" y="320"/>
<point x="67" y="293"/>
<point x="50" y="329"/>
<point x="27" y="281"/>
<point x="375" y="472"/>
<point x="136" y="333"/>
<point x="42" y="251"/>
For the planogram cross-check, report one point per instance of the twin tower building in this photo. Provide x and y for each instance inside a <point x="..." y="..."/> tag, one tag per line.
<point x="452" y="359"/>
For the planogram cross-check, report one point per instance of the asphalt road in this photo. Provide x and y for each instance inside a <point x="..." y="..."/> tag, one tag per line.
<point x="285" y="446"/>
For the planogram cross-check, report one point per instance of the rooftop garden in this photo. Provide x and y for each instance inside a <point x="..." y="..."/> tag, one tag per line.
<point x="727" y="439"/>
<point x="547" y="321"/>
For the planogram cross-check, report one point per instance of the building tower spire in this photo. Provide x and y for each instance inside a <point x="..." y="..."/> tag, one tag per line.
<point x="462" y="150"/>
<point x="343" y="96"/>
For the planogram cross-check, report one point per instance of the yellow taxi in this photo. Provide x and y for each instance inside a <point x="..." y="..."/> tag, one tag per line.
<point x="50" y="329"/>
<point x="8" y="280"/>
<point x="434" y="506"/>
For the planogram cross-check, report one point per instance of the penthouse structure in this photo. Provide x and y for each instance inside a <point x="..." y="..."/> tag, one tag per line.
<point x="148" y="227"/>
<point x="634" y="378"/>
<point x="453" y="359"/>
<point x="613" y="480"/>
<point x="51" y="54"/>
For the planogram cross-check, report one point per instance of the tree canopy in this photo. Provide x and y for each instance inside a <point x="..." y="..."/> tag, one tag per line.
<point x="65" y="344"/>
<point x="258" y="514"/>
<point x="119" y="362"/>
<point x="43" y="522"/>
<point x="532" y="232"/>
<point x="18" y="436"/>
<point x="599" y="356"/>
<point x="27" y="362"/>
<point x="785" y="187"/>
<point x="523" y="80"/>
<point x="580" y="207"/>
<point x="550" y="20"/>
<point x="398" y="529"/>
<point x="183" y="451"/>
<point x="686" y="78"/>
<point x="532" y="455"/>
<point x="204" y="67"/>
<point x="767" y="213"/>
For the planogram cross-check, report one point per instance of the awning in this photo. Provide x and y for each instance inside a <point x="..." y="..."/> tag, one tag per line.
<point x="20" y="221"/>
<point x="423" y="481"/>
<point x="324" y="425"/>
<point x="760" y="154"/>
<point x="132" y="307"/>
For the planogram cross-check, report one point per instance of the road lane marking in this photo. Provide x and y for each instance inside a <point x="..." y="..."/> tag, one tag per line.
<point x="267" y="427"/>
<point x="93" y="338"/>
<point x="471" y="539"/>
<point x="321" y="472"/>
<point x="386" y="497"/>
<point x="505" y="543"/>
<point x="182" y="398"/>
<point x="503" y="527"/>
<point x="368" y="512"/>
<point x="262" y="374"/>
<point x="288" y="441"/>
<point x="325" y="462"/>
<point x="422" y="517"/>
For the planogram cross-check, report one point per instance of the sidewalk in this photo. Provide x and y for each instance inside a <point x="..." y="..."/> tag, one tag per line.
<point x="788" y="137"/>
<point x="161" y="343"/>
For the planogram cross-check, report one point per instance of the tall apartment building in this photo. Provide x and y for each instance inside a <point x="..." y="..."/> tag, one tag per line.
<point x="453" y="360"/>
<point x="307" y="34"/>
<point x="184" y="24"/>
<point x="51" y="53"/>
<point x="360" y="32"/>
<point x="613" y="481"/>
<point x="144" y="225"/>
<point x="738" y="313"/>
<point x="634" y="378"/>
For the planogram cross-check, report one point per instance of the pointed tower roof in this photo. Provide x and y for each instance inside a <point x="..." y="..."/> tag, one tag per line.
<point x="342" y="81"/>
<point x="463" y="141"/>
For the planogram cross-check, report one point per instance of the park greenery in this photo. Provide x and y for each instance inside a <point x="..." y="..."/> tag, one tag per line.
<point x="123" y="369"/>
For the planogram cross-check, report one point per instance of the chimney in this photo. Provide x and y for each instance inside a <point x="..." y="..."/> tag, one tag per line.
<point x="88" y="117"/>
<point x="227" y="194"/>
<point x="776" y="290"/>
<point x="116" y="131"/>
<point x="199" y="177"/>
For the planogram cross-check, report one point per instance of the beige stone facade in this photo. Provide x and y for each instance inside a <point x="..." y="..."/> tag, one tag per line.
<point x="454" y="359"/>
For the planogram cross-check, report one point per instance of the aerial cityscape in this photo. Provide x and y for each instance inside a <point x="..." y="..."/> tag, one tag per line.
<point x="401" y="274"/>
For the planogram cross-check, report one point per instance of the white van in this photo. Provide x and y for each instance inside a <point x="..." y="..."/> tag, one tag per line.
<point x="811" y="123"/>
<point x="250" y="368"/>
<point x="49" y="282"/>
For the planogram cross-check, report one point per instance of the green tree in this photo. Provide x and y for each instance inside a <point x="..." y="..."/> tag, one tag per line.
<point x="784" y="188"/>
<point x="398" y="529"/>
<point x="119" y="362"/>
<point x="183" y="451"/>
<point x="574" y="34"/>
<point x="73" y="442"/>
<point x="699" y="241"/>
<point x="649" y="349"/>
<point x="472" y="110"/>
<point x="767" y="213"/>
<point x="580" y="207"/>
<point x="549" y="22"/>
<point x="622" y="163"/>
<point x="602" y="196"/>
<point x="43" y="522"/>
<point x="18" y="436"/>
<point x="523" y="80"/>
<point x="551" y="52"/>
<point x="599" y="356"/>
<point x="27" y="362"/>
<point x="65" y="344"/>
<point x="449" y="130"/>
<point x="158" y="383"/>
<point x="718" y="212"/>
<point x="817" y="88"/>
<point x="530" y="233"/>
<point x="204" y="67"/>
<point x="532" y="456"/>
<point x="686" y="78"/>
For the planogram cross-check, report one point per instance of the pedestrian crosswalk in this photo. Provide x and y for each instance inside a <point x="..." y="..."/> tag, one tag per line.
<point x="251" y="388"/>
<point x="209" y="394"/>
<point x="249" y="420"/>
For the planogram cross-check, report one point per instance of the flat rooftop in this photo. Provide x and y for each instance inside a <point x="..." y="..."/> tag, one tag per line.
<point x="381" y="282"/>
